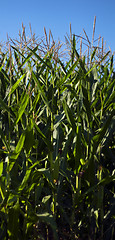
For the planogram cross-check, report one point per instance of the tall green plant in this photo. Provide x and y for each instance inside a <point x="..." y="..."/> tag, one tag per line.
<point x="57" y="146"/>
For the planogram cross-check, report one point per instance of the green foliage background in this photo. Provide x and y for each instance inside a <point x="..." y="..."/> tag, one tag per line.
<point x="57" y="145"/>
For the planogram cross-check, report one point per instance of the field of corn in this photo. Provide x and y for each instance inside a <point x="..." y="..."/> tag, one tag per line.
<point x="57" y="140"/>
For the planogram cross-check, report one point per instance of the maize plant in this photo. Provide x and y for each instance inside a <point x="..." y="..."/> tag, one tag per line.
<point x="57" y="144"/>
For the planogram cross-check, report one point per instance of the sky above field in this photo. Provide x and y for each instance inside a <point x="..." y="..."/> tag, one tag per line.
<point x="57" y="16"/>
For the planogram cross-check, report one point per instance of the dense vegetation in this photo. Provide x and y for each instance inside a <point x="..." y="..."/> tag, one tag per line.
<point x="57" y="145"/>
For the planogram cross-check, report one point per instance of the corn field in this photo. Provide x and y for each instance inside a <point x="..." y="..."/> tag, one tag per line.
<point x="57" y="141"/>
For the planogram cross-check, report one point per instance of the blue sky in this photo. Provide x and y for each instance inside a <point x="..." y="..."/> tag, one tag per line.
<point x="57" y="16"/>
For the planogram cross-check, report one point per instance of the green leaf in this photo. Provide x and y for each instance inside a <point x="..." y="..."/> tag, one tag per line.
<point x="73" y="48"/>
<point x="16" y="84"/>
<point x="70" y="71"/>
<point x="14" y="155"/>
<point x="69" y="115"/>
<point x="5" y="75"/>
<point x="16" y="49"/>
<point x="111" y="99"/>
<point x="93" y="54"/>
<point x="41" y="91"/>
<point x="25" y="180"/>
<point x="29" y="56"/>
<point x="39" y="58"/>
<point x="97" y="138"/>
<point x="82" y="161"/>
<point x="106" y="180"/>
<point x="23" y="105"/>
<point x="103" y="182"/>
<point x="46" y="198"/>
<point x="62" y="66"/>
<point x="19" y="147"/>
<point x="1" y="168"/>
<point x="95" y="65"/>
<point x="77" y="149"/>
